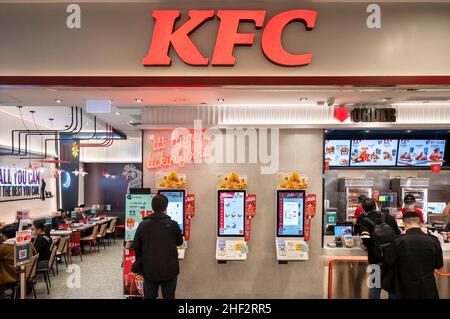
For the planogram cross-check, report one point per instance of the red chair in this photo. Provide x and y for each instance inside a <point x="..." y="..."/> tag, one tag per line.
<point x="74" y="243"/>
<point x="117" y="228"/>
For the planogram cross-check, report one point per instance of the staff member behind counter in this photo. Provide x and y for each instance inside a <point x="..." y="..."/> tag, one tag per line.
<point x="409" y="202"/>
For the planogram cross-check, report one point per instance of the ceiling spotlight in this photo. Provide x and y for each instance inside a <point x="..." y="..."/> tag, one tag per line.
<point x="326" y="131"/>
<point x="59" y="101"/>
<point x="367" y="131"/>
<point x="220" y="100"/>
<point x="139" y="100"/>
<point x="131" y="122"/>
<point x="303" y="99"/>
<point x="408" y="131"/>
<point x="117" y="113"/>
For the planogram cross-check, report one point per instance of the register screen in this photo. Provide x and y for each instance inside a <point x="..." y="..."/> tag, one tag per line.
<point x="291" y="212"/>
<point x="175" y="209"/>
<point x="231" y="213"/>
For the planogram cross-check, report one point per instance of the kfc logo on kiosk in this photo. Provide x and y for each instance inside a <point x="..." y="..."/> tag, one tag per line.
<point x="165" y="36"/>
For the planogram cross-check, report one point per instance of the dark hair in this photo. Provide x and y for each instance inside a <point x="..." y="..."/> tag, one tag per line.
<point x="9" y="231"/>
<point x="40" y="225"/>
<point x="361" y="198"/>
<point x="159" y="203"/>
<point x="369" y="205"/>
<point x="411" y="217"/>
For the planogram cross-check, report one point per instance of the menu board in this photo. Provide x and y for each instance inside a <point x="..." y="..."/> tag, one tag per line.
<point x="175" y="208"/>
<point x="337" y="152"/>
<point x="137" y="207"/>
<point x="291" y="213"/>
<point x="420" y="152"/>
<point x="373" y="152"/>
<point x="231" y="213"/>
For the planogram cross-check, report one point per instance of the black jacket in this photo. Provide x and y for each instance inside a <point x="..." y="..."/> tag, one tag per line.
<point x="414" y="257"/>
<point x="155" y="244"/>
<point x="366" y="230"/>
<point x="42" y="244"/>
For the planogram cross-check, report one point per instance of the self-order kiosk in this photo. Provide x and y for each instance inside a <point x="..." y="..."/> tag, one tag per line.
<point x="290" y="232"/>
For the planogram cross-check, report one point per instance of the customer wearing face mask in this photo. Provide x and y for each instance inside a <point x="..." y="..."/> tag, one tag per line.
<point x="409" y="202"/>
<point x="42" y="243"/>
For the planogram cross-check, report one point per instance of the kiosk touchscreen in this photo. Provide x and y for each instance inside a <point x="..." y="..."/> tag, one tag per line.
<point x="175" y="209"/>
<point x="290" y="225"/>
<point x="231" y="225"/>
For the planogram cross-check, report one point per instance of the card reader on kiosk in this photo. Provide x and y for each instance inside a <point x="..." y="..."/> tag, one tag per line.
<point x="231" y="244"/>
<point x="289" y="241"/>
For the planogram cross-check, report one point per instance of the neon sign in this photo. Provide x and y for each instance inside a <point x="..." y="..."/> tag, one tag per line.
<point x="182" y="147"/>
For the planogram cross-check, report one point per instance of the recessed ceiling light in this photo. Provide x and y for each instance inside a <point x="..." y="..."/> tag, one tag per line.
<point x="59" y="101"/>
<point x="367" y="131"/>
<point x="220" y="100"/>
<point x="408" y="131"/>
<point x="139" y="100"/>
<point x="303" y="99"/>
<point x="326" y="131"/>
<point x="117" y="113"/>
<point x="386" y="99"/>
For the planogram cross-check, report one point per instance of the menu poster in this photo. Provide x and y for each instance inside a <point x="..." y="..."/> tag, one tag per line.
<point x="337" y="152"/>
<point x="133" y="283"/>
<point x="22" y="214"/>
<point x="22" y="248"/>
<point x="420" y="152"/>
<point x="137" y="207"/>
<point x="373" y="152"/>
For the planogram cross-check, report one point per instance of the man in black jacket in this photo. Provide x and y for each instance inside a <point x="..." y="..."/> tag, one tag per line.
<point x="414" y="256"/>
<point x="155" y="244"/>
<point x="366" y="222"/>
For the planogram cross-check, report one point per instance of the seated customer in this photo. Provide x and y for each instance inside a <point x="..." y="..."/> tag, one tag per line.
<point x="42" y="243"/>
<point x="8" y="273"/>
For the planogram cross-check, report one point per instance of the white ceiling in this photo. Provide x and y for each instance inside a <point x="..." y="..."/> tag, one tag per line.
<point x="42" y="99"/>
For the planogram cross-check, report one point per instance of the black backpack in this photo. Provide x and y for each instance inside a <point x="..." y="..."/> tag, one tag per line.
<point x="382" y="234"/>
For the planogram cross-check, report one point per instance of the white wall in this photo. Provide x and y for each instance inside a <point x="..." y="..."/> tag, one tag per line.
<point x="121" y="151"/>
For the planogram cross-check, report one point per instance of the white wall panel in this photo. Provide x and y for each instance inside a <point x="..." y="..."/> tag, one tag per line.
<point x="129" y="151"/>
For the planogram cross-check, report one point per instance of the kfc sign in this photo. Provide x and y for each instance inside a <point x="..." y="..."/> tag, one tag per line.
<point x="165" y="37"/>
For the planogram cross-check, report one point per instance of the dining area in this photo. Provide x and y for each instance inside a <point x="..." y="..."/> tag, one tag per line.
<point x="68" y="244"/>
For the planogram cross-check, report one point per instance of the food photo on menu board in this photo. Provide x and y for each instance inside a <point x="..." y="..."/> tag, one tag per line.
<point x="373" y="152"/>
<point x="337" y="152"/>
<point x="420" y="152"/>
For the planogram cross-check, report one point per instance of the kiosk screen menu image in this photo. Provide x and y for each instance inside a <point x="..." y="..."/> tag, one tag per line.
<point x="231" y="213"/>
<point x="175" y="209"/>
<point x="291" y="213"/>
<point x="374" y="152"/>
<point x="420" y="152"/>
<point x="337" y="152"/>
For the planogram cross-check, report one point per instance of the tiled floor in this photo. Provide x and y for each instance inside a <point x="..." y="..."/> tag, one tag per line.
<point x="100" y="277"/>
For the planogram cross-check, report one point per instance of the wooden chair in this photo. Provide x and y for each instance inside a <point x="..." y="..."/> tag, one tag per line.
<point x="75" y="244"/>
<point x="31" y="273"/>
<point x="101" y="236"/>
<point x="63" y="248"/>
<point x="111" y="230"/>
<point x="91" y="239"/>
<point x="45" y="271"/>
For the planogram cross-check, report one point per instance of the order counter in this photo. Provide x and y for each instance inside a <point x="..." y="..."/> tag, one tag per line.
<point x="345" y="275"/>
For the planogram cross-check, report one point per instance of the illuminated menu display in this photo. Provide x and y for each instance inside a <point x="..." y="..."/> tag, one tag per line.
<point x="175" y="208"/>
<point x="337" y="152"/>
<point x="231" y="213"/>
<point x="420" y="152"/>
<point x="373" y="152"/>
<point x="291" y="212"/>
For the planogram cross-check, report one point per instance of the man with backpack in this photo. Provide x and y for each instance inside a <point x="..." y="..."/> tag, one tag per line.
<point x="377" y="231"/>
